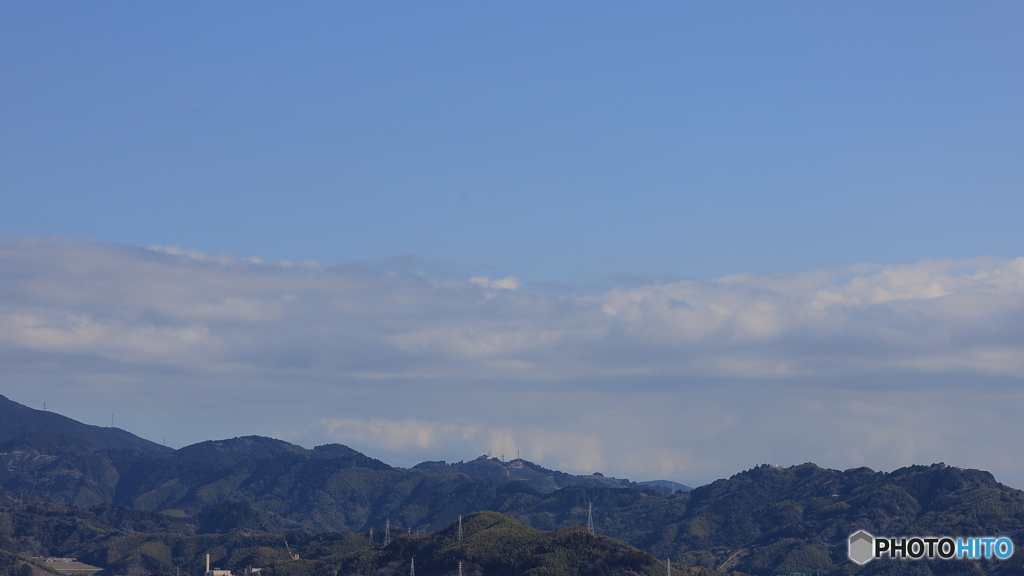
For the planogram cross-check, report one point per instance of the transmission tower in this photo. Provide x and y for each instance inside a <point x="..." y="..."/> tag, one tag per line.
<point x="668" y="567"/>
<point x="387" y="532"/>
<point x="590" y="517"/>
<point x="460" y="568"/>
<point x="460" y="528"/>
<point x="371" y="535"/>
<point x="412" y="567"/>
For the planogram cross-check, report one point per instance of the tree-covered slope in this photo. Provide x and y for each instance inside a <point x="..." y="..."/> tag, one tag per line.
<point x="493" y="544"/>
<point x="773" y="520"/>
<point x="17" y="420"/>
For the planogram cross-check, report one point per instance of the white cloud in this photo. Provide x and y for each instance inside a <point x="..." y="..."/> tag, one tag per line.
<point x="566" y="449"/>
<point x="507" y="283"/>
<point x="389" y="434"/>
<point x="83" y="297"/>
<point x="909" y="315"/>
<point x="68" y="333"/>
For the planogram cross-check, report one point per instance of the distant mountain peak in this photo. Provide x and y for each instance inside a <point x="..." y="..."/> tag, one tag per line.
<point x="233" y="450"/>
<point x="521" y="470"/>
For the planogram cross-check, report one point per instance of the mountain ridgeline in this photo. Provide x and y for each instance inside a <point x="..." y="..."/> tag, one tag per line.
<point x="134" y="507"/>
<point x="538" y="477"/>
<point x="17" y="420"/>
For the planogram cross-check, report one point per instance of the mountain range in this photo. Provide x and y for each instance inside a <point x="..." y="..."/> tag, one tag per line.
<point x="127" y="504"/>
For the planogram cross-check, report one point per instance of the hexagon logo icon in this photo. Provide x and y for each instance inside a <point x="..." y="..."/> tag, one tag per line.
<point x="861" y="547"/>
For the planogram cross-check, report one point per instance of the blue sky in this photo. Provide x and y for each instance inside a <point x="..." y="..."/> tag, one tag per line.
<point x="560" y="142"/>
<point x="641" y="211"/>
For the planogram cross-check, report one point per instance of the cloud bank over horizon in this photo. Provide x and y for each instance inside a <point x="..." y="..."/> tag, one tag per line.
<point x="873" y="365"/>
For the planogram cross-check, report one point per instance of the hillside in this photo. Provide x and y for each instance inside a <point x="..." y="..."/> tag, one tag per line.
<point x="493" y="544"/>
<point x="17" y="420"/>
<point x="772" y="520"/>
<point x="666" y="487"/>
<point x="222" y="453"/>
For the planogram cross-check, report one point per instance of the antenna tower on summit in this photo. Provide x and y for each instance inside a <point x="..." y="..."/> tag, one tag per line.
<point x="460" y="528"/>
<point x="590" y="517"/>
<point x="387" y="532"/>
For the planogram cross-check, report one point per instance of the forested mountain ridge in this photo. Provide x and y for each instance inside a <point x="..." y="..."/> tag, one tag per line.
<point x="536" y="476"/>
<point x="765" y="520"/>
<point x="493" y="544"/>
<point x="17" y="420"/>
<point x="331" y="487"/>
